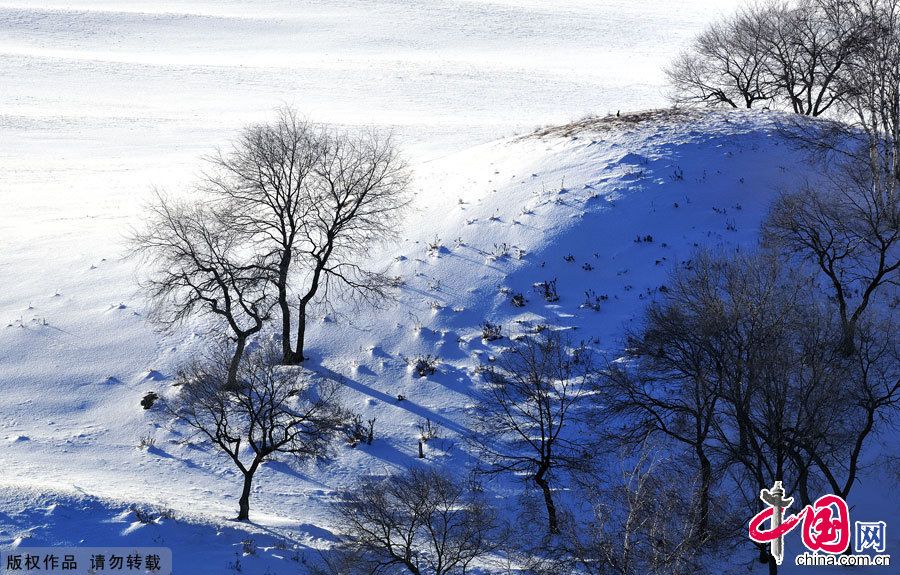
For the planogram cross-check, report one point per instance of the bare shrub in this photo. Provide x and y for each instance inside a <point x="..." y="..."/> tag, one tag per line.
<point x="548" y="291"/>
<point x="491" y="331"/>
<point x="428" y="430"/>
<point x="423" y="365"/>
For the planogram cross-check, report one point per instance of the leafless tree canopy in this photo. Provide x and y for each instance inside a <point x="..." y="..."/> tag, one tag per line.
<point x="872" y="85"/>
<point x="271" y="409"/>
<point x="421" y="523"/>
<point x="312" y="201"/>
<point x="791" y="54"/>
<point x="198" y="266"/>
<point x="523" y="423"/>
<point x="726" y="65"/>
<point x="807" y="46"/>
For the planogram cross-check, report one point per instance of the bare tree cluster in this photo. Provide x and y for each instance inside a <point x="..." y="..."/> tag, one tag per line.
<point x="791" y="379"/>
<point x="526" y="423"/>
<point x="743" y="366"/>
<point x="642" y="523"/>
<point x="284" y="221"/>
<point x="846" y="224"/>
<point x="815" y="57"/>
<point x="796" y="55"/>
<point x="281" y="222"/>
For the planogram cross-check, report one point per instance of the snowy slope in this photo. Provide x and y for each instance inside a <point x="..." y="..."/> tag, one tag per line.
<point x="78" y="356"/>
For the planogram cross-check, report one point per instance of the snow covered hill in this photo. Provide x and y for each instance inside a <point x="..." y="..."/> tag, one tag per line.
<point x="604" y="209"/>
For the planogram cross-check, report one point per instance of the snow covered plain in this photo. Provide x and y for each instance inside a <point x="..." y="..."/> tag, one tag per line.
<point x="101" y="100"/>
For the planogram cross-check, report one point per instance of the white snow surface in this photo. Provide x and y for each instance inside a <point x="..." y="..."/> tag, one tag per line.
<point x="105" y="86"/>
<point x="101" y="100"/>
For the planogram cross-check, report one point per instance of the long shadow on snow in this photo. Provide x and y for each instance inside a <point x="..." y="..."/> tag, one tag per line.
<point x="406" y="404"/>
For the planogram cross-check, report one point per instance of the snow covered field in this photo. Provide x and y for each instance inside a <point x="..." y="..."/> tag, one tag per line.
<point x="102" y="100"/>
<point x="99" y="101"/>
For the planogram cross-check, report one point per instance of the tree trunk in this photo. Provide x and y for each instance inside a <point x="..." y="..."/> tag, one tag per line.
<point x="766" y="558"/>
<point x="296" y="356"/>
<point x="413" y="568"/>
<point x="236" y="362"/>
<point x="803" y="483"/>
<point x="244" y="501"/>
<point x="703" y="495"/>
<point x="552" y="520"/>
<point x="773" y="566"/>
<point x="848" y="337"/>
<point x="285" y="307"/>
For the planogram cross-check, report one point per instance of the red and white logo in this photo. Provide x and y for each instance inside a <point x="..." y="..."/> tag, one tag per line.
<point x="824" y="526"/>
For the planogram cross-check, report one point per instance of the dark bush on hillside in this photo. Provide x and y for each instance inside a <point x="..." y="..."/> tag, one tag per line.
<point x="491" y="331"/>
<point x="423" y="365"/>
<point x="149" y="399"/>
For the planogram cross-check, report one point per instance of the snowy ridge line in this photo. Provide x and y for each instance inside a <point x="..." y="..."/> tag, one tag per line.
<point x="702" y="122"/>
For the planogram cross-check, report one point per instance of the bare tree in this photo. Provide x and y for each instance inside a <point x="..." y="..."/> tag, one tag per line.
<point x="271" y="409"/>
<point x="861" y="396"/>
<point x="863" y="81"/>
<point x="421" y="522"/>
<point x="643" y="524"/>
<point x="849" y="229"/>
<point x="727" y="64"/>
<point x="808" y="46"/>
<point x="262" y="182"/>
<point x="315" y="201"/>
<point x="872" y="88"/>
<point x="671" y="380"/>
<point x="523" y="420"/>
<point x="200" y="268"/>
